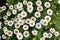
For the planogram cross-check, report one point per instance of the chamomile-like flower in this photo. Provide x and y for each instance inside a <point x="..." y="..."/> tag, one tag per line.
<point x="6" y="22"/>
<point x="52" y="30"/>
<point x="26" y="33"/>
<point x="5" y="31"/>
<point x="47" y="4"/>
<point x="30" y="9"/>
<point x="33" y="18"/>
<point x="8" y="13"/>
<point x="42" y="38"/>
<point x="19" y="36"/>
<point x="16" y="31"/>
<point x="49" y="35"/>
<point x="10" y="33"/>
<point x="50" y="12"/>
<point x="17" y="25"/>
<point x="37" y="14"/>
<point x="38" y="26"/>
<point x="25" y="2"/>
<point x="40" y="8"/>
<point x="20" y="16"/>
<point x="5" y="17"/>
<point x="11" y="7"/>
<point x="38" y="3"/>
<point x="14" y="11"/>
<point x="34" y="32"/>
<point x="21" y="22"/>
<point x="3" y="7"/>
<point x="10" y="23"/>
<point x="45" y="34"/>
<point x="25" y="27"/>
<point x="4" y="36"/>
<point x="48" y="18"/>
<point x="29" y="3"/>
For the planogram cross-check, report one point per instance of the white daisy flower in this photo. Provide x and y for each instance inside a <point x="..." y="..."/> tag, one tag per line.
<point x="47" y="4"/>
<point x="34" y="32"/>
<point x="20" y="16"/>
<point x="25" y="2"/>
<point x="52" y="30"/>
<point x="29" y="3"/>
<point x="10" y="23"/>
<point x="4" y="28"/>
<point x="16" y="31"/>
<point x="50" y="12"/>
<point x="49" y="35"/>
<point x="10" y="33"/>
<point x="11" y="7"/>
<point x="25" y="27"/>
<point x="14" y="11"/>
<point x="17" y="25"/>
<point x="4" y="36"/>
<point x="38" y="3"/>
<point x="37" y="14"/>
<point x="38" y="26"/>
<point x="3" y="7"/>
<point x="32" y="23"/>
<point x="19" y="36"/>
<point x="45" y="34"/>
<point x="21" y="22"/>
<point x="48" y="18"/>
<point x="30" y="9"/>
<point x="8" y="13"/>
<point x="16" y="20"/>
<point x="5" y="17"/>
<point x="33" y="18"/>
<point x="24" y="14"/>
<point x="5" y="31"/>
<point x="26" y="33"/>
<point x="42" y="38"/>
<point x="44" y="23"/>
<point x="39" y="8"/>
<point x="58" y="1"/>
<point x="0" y="25"/>
<point x="6" y="22"/>
<point x="56" y="33"/>
<point x="50" y="0"/>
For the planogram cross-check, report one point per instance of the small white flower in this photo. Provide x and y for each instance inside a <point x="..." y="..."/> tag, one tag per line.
<point x="4" y="36"/>
<point x="38" y="3"/>
<point x="16" y="31"/>
<point x="50" y="12"/>
<point x="48" y="18"/>
<point x="37" y="14"/>
<point x="10" y="23"/>
<point x="11" y="7"/>
<point x="47" y="4"/>
<point x="28" y="21"/>
<point x="33" y="18"/>
<point x="26" y="33"/>
<point x="30" y="9"/>
<point x="17" y="25"/>
<point x="8" y="13"/>
<point x="24" y="14"/>
<point x="4" y="28"/>
<point x="10" y="33"/>
<point x="19" y="36"/>
<point x="6" y="22"/>
<point x="25" y="27"/>
<point x="52" y="30"/>
<point x="32" y="23"/>
<point x="49" y="35"/>
<point x="5" y="17"/>
<point x="42" y="38"/>
<point x="5" y="31"/>
<point x="56" y="33"/>
<point x="3" y="7"/>
<point x="44" y="23"/>
<point x="45" y="34"/>
<point x="25" y="2"/>
<point x="34" y="32"/>
<point x="21" y="22"/>
<point x="39" y="8"/>
<point x="29" y="3"/>
<point x="50" y="0"/>
<point x="14" y="11"/>
<point x="16" y="20"/>
<point x="38" y="26"/>
<point x="58" y="1"/>
<point x="20" y="16"/>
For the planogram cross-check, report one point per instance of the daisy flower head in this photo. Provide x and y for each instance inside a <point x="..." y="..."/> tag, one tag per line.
<point x="25" y="27"/>
<point x="3" y="7"/>
<point x="50" y="12"/>
<point x="5" y="28"/>
<point x="5" y="17"/>
<point x="19" y="36"/>
<point x="29" y="4"/>
<point x="14" y="11"/>
<point x="25" y="2"/>
<point x="34" y="32"/>
<point x="4" y="36"/>
<point x="5" y="31"/>
<point x="56" y="33"/>
<point x="45" y="34"/>
<point x="6" y="22"/>
<point x="47" y="4"/>
<point x="16" y="31"/>
<point x="8" y="13"/>
<point x="42" y="38"/>
<point x="48" y="18"/>
<point x="21" y="22"/>
<point x="26" y="33"/>
<point x="17" y="25"/>
<point x="10" y="23"/>
<point x="10" y="33"/>
<point x="44" y="23"/>
<point x="52" y="30"/>
<point x="20" y="16"/>
<point x="29" y="9"/>
<point x="39" y="8"/>
<point x="33" y="18"/>
<point x="38" y="3"/>
<point x="24" y="14"/>
<point x="49" y="35"/>
<point x="11" y="7"/>
<point x="38" y="26"/>
<point x="37" y="14"/>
